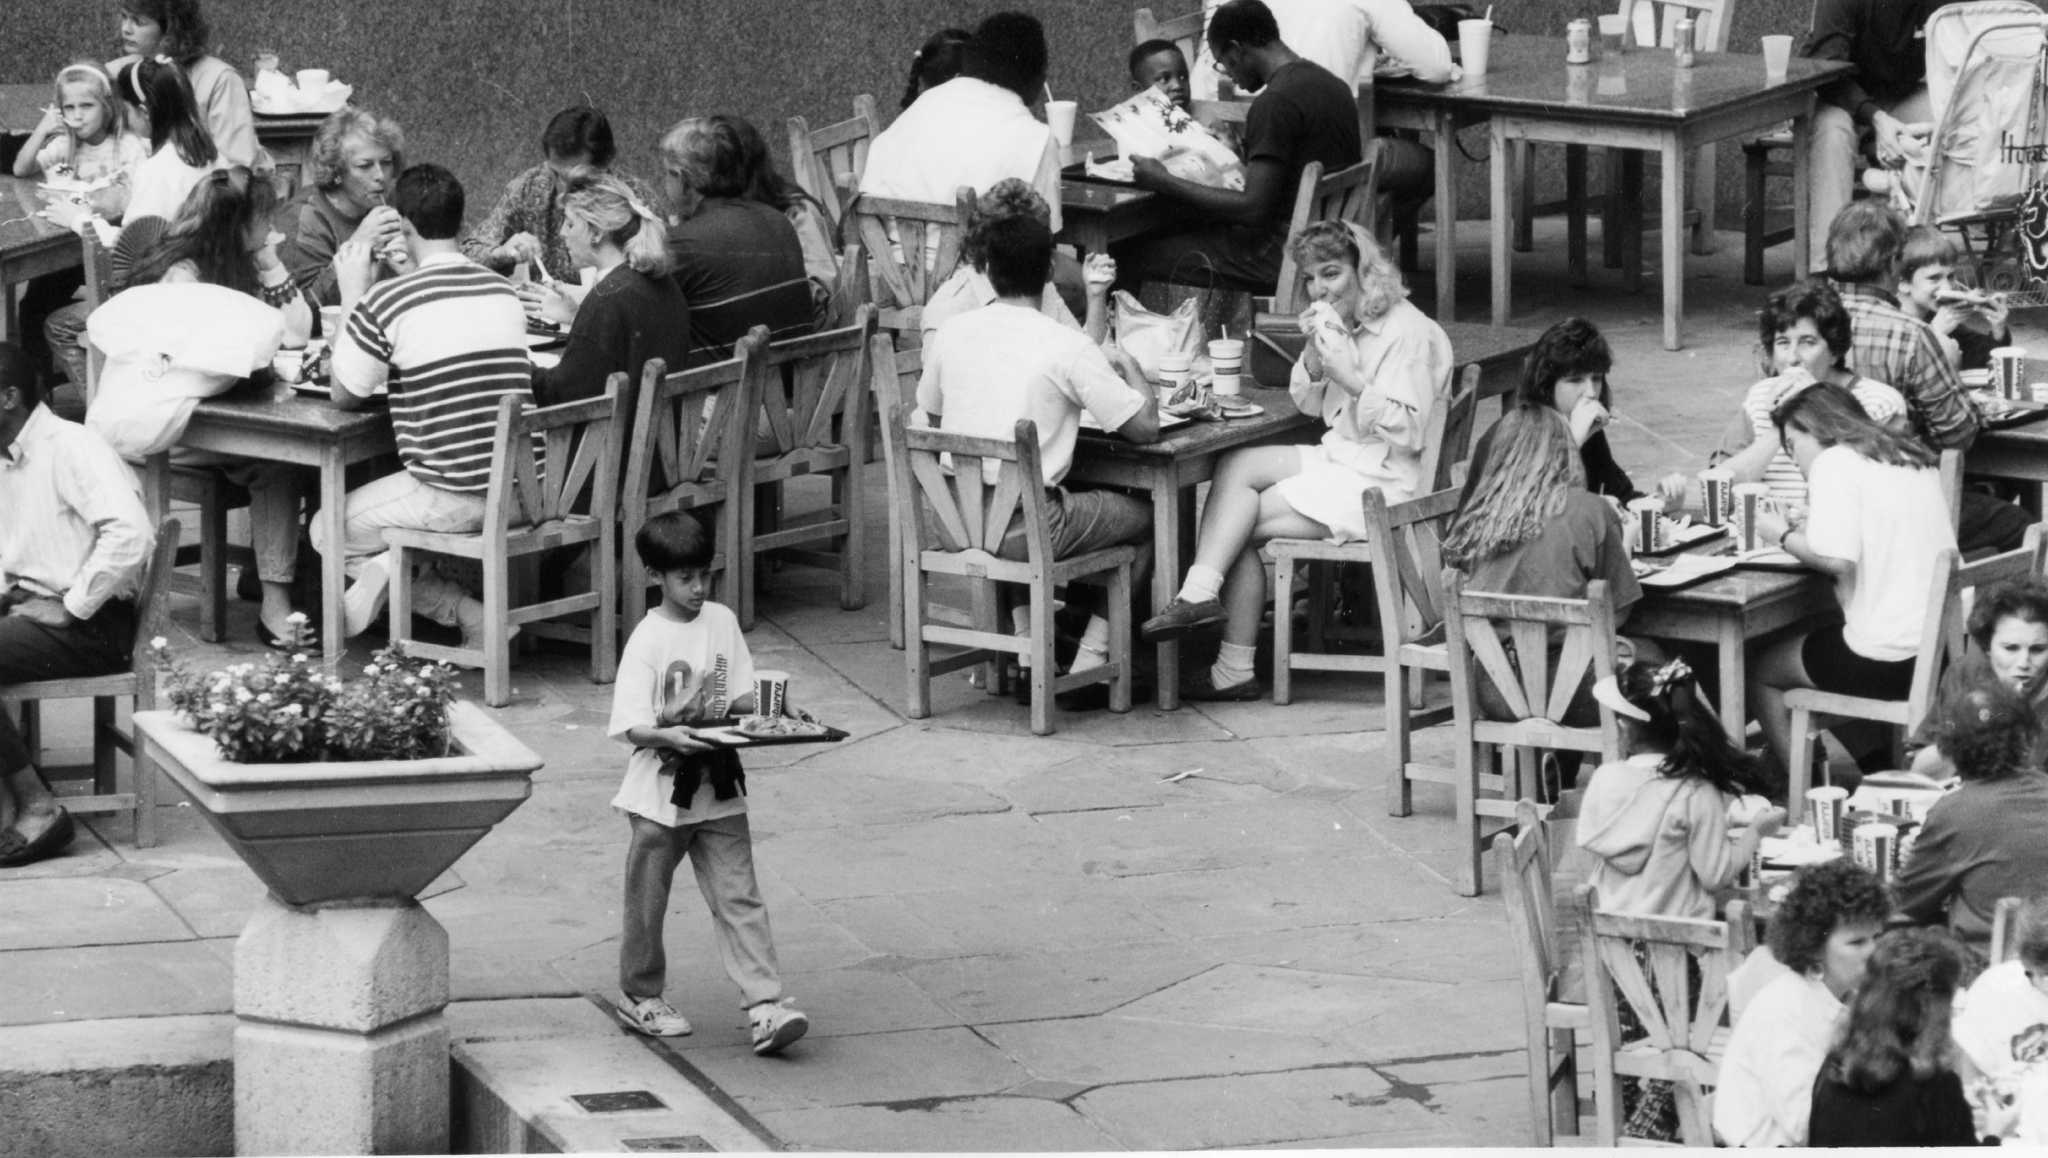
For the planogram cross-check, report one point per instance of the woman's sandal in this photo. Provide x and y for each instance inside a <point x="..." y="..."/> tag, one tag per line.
<point x="307" y="639"/>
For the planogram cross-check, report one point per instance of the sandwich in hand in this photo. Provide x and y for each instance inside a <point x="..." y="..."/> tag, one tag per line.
<point x="1322" y="316"/>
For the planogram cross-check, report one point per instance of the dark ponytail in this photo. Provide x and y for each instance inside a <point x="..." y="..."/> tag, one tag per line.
<point x="1685" y="728"/>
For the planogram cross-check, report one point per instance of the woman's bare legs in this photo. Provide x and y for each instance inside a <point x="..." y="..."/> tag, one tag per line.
<point x="1778" y="670"/>
<point x="1244" y="588"/>
<point x="1235" y="504"/>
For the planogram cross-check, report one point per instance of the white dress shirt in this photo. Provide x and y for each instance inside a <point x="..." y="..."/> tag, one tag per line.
<point x="1356" y="40"/>
<point x="964" y="132"/>
<point x="74" y="526"/>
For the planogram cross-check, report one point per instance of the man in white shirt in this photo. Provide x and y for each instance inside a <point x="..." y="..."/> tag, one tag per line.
<point x="989" y="368"/>
<point x="73" y="543"/>
<point x="975" y="129"/>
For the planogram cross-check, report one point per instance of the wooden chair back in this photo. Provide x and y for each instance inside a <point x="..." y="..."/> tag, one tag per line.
<point x="910" y="249"/>
<point x="1448" y="440"/>
<point x="1524" y="860"/>
<point x="1534" y="691"/>
<point x="1347" y="195"/>
<point x="1654" y="23"/>
<point x="1185" y="31"/>
<point x="828" y="161"/>
<point x="1405" y="542"/>
<point x="1944" y="635"/>
<point x="555" y="462"/>
<point x="153" y="609"/>
<point x="813" y="392"/>
<point x="99" y="286"/>
<point x="1672" y="974"/>
<point x="964" y="513"/>
<point x="684" y="423"/>
<point x="2005" y="939"/>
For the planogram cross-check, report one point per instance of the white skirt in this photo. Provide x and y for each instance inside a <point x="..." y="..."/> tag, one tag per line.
<point x="1331" y="494"/>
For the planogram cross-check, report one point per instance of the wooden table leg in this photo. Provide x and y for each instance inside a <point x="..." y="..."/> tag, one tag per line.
<point x="1671" y="239"/>
<point x="1631" y="223"/>
<point x="333" y="579"/>
<point x="1167" y="500"/>
<point x="1575" y="211"/>
<point x="1734" y="658"/>
<point x="1802" y="203"/>
<point x="156" y="486"/>
<point x="1500" y="166"/>
<point x="1446" y="219"/>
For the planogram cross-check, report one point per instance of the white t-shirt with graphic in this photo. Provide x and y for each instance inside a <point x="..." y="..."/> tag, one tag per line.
<point x="677" y="673"/>
<point x="2003" y="1026"/>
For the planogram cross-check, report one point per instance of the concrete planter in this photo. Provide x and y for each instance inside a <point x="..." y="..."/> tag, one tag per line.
<point x="340" y="975"/>
<point x="317" y="833"/>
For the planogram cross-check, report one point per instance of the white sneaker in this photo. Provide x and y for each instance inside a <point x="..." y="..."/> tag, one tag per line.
<point x="1880" y="181"/>
<point x="469" y="615"/>
<point x="776" y="1025"/>
<point x="652" y="1016"/>
<point x="364" y="599"/>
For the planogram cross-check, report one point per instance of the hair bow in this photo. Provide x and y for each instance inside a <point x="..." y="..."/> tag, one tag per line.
<point x="1671" y="673"/>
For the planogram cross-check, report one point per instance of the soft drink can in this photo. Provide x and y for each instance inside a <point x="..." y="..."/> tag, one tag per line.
<point x="1682" y="40"/>
<point x="1578" y="42"/>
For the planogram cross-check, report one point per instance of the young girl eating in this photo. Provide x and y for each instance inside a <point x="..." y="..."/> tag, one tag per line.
<point x="1372" y="377"/>
<point x="81" y="137"/>
<point x="1659" y="821"/>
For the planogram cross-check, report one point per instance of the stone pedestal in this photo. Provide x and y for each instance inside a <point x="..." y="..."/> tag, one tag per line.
<point x="340" y="1046"/>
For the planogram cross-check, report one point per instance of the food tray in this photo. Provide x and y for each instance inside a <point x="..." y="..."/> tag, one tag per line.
<point x="1078" y="171"/>
<point x="1770" y="559"/>
<point x="1683" y="535"/>
<point x="1683" y="571"/>
<point x="726" y="734"/>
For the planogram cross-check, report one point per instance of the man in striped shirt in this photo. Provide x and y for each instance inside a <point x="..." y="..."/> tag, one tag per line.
<point x="447" y="341"/>
<point x="73" y="542"/>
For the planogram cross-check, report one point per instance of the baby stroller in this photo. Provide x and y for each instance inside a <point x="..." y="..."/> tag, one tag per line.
<point x="1987" y="81"/>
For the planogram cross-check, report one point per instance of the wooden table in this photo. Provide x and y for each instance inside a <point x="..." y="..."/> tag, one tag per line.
<point x="2019" y="453"/>
<point x="1094" y="215"/>
<point x="295" y="429"/>
<point x="1168" y="471"/>
<point x="30" y="246"/>
<point x="1638" y="100"/>
<point x="1729" y="611"/>
<point x="289" y="138"/>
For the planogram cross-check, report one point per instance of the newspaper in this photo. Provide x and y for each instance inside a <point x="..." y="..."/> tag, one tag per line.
<point x="1149" y="124"/>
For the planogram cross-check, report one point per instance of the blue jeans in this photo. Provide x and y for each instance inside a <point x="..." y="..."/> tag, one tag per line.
<point x="721" y="853"/>
<point x="1078" y="522"/>
<point x="400" y="500"/>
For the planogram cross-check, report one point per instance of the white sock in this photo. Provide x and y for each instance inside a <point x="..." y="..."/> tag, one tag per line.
<point x="1094" y="651"/>
<point x="1202" y="584"/>
<point x="1233" y="665"/>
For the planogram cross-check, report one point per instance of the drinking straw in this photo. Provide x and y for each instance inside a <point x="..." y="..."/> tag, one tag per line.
<point x="1048" y="89"/>
<point x="1489" y="14"/>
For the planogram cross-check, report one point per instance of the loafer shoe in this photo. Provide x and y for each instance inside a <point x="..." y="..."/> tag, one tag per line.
<point x="16" y="851"/>
<point x="1180" y="617"/>
<point x="1200" y="687"/>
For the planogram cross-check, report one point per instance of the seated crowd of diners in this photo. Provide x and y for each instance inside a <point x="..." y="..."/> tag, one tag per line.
<point x="1846" y="1028"/>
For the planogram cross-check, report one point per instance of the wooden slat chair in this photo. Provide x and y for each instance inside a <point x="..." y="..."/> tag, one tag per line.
<point x="204" y="488"/>
<point x="2005" y="934"/>
<point x="905" y="269"/>
<point x="1550" y="1021"/>
<point x="810" y="399"/>
<point x="1651" y="26"/>
<point x="677" y="462"/>
<point x="1942" y="640"/>
<point x="953" y="523"/>
<point x="1448" y="439"/>
<point x="1185" y="31"/>
<point x="1763" y="158"/>
<point x="1534" y="691"/>
<point x="1649" y="964"/>
<point x="828" y="161"/>
<point x="137" y="683"/>
<point x="543" y="463"/>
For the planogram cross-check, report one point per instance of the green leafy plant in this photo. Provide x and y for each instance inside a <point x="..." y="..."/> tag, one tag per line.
<point x="288" y="710"/>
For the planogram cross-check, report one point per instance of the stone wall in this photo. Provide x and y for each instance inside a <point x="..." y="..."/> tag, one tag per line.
<point x="474" y="81"/>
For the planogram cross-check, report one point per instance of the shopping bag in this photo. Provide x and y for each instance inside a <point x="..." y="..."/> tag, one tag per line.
<point x="1147" y="336"/>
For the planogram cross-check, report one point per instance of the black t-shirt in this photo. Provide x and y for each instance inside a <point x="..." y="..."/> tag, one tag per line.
<point x="1909" y="1112"/>
<point x="740" y="265"/>
<point x="1303" y="114"/>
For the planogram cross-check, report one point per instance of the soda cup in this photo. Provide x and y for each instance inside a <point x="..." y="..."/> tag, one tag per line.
<point x="1826" y="805"/>
<point x="1226" y="364"/>
<point x="2008" y="366"/>
<point x="1877" y="846"/>
<point x="1647" y="517"/>
<point x="1750" y="500"/>
<point x="771" y="693"/>
<point x="1175" y="368"/>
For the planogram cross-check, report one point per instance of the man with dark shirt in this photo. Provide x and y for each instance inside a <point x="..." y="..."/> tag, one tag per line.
<point x="1302" y="113"/>
<point x="1886" y="96"/>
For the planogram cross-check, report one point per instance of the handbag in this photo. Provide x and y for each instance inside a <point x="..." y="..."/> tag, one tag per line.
<point x="1148" y="336"/>
<point x="167" y="348"/>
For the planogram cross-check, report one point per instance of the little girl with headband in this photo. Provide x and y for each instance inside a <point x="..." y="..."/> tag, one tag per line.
<point x="82" y="137"/>
<point x="1672" y="824"/>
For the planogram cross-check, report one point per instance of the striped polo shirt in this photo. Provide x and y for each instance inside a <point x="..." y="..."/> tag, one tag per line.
<point x="449" y="339"/>
<point x="1781" y="474"/>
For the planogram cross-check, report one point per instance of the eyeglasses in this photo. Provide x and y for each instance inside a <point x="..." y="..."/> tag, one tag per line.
<point x="1216" y="60"/>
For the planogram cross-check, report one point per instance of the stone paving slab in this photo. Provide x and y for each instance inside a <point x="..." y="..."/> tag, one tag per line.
<point x="960" y="1125"/>
<point x="868" y="1069"/>
<point x="1178" y="838"/>
<point x="1116" y="1048"/>
<point x="1035" y="986"/>
<point x="1254" y="1109"/>
<point x="102" y="981"/>
<point x="84" y="911"/>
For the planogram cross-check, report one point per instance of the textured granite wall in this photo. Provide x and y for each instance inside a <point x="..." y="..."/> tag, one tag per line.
<point x="474" y="81"/>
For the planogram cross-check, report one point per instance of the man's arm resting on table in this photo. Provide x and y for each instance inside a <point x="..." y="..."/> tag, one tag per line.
<point x="1264" y="183"/>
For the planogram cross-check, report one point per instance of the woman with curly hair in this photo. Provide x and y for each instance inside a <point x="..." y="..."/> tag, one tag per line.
<point x="1877" y="522"/>
<point x="1820" y="936"/>
<point x="1984" y="840"/>
<point x="175" y="32"/>
<point x="1659" y="822"/>
<point x="350" y="173"/>
<point x="1374" y="368"/>
<point x="1891" y="1079"/>
<point x="969" y="288"/>
<point x="1567" y="371"/>
<point x="2009" y="625"/>
<point x="1804" y="331"/>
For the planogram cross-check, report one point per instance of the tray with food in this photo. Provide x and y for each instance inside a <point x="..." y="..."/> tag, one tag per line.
<point x="1682" y="532"/>
<point x="1680" y="571"/>
<point x="763" y="731"/>
<point x="2000" y="413"/>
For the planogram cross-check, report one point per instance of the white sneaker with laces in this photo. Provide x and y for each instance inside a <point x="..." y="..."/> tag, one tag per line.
<point x="776" y="1025"/>
<point x="653" y="1016"/>
<point x="365" y="597"/>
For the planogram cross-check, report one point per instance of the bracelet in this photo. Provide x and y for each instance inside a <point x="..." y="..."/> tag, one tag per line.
<point x="279" y="295"/>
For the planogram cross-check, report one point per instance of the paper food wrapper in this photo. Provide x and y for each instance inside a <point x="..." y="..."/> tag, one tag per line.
<point x="1149" y="124"/>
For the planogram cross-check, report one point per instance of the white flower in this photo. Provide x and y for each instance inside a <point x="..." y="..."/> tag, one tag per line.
<point x="296" y="617"/>
<point x="159" y="643"/>
<point x="291" y="710"/>
<point x="298" y="657"/>
<point x="263" y="698"/>
<point x="242" y="696"/>
<point x="369" y="669"/>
